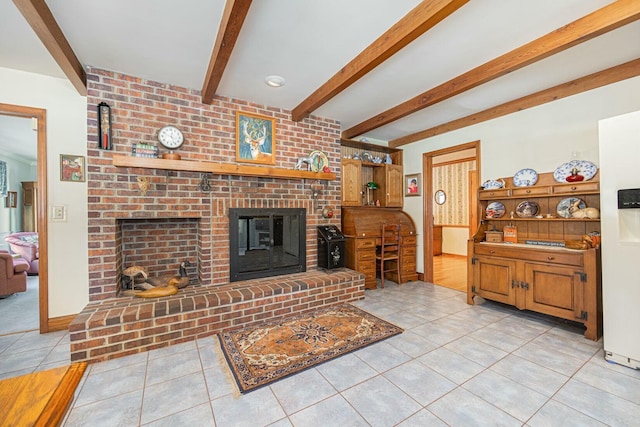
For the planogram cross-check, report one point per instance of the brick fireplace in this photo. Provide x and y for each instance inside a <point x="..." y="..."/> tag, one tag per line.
<point x="174" y="220"/>
<point x="139" y="108"/>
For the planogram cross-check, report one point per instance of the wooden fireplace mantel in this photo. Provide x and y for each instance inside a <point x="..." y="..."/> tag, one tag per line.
<point x="218" y="168"/>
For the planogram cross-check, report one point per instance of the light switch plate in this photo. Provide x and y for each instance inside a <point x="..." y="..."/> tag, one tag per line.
<point x="58" y="214"/>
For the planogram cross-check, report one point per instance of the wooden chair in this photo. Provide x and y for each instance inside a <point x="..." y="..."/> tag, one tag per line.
<point x="388" y="253"/>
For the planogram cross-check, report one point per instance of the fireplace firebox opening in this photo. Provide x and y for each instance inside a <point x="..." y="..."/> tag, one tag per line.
<point x="266" y="242"/>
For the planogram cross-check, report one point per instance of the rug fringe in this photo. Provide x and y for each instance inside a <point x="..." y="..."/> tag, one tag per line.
<point x="217" y="347"/>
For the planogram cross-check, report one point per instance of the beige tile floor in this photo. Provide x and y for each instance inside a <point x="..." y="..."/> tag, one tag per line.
<point x="455" y="364"/>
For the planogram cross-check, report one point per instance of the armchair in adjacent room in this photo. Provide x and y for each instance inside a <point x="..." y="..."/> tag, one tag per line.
<point x="13" y="274"/>
<point x="25" y="244"/>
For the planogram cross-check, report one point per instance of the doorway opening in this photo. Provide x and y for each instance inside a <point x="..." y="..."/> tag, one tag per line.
<point x="465" y="159"/>
<point x="38" y="116"/>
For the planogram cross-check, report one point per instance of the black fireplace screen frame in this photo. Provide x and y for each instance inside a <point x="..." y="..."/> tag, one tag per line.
<point x="266" y="242"/>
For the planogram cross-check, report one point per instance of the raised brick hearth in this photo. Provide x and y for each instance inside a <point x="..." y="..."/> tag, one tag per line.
<point x="121" y="326"/>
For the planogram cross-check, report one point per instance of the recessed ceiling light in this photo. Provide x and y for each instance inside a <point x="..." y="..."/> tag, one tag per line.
<point x="274" y="81"/>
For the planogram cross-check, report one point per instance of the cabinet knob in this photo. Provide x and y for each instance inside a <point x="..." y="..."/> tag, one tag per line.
<point x="551" y="258"/>
<point x="574" y="188"/>
<point x="492" y="251"/>
<point x="528" y="191"/>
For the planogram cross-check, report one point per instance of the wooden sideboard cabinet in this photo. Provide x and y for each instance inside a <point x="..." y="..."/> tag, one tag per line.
<point x="557" y="281"/>
<point x="362" y="228"/>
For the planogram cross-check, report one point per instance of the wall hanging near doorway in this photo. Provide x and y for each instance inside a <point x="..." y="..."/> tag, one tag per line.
<point x="71" y="168"/>
<point x="3" y="178"/>
<point x="412" y="184"/>
<point x="11" y="201"/>
<point x="104" y="127"/>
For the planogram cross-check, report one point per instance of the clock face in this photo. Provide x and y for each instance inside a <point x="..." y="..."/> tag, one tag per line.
<point x="171" y="137"/>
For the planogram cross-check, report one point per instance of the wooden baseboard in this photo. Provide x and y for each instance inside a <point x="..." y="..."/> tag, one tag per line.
<point x="41" y="398"/>
<point x="60" y="323"/>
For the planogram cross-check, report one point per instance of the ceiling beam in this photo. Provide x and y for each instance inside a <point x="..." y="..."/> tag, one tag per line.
<point x="41" y="20"/>
<point x="592" y="81"/>
<point x="608" y="18"/>
<point x="415" y="23"/>
<point x="235" y="11"/>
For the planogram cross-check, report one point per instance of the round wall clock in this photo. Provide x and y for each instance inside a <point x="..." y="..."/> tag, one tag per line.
<point x="171" y="138"/>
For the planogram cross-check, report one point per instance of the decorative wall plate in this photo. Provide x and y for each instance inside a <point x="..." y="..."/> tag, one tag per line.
<point x="492" y="184"/>
<point x="525" y="178"/>
<point x="367" y="157"/>
<point x="495" y="210"/>
<point x="319" y="160"/>
<point x="527" y="209"/>
<point x="565" y="204"/>
<point x="585" y="168"/>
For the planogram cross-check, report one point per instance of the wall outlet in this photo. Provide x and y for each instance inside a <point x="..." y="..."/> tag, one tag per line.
<point x="58" y="214"/>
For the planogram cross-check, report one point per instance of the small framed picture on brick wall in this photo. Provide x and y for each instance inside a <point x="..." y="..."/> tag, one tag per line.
<point x="255" y="139"/>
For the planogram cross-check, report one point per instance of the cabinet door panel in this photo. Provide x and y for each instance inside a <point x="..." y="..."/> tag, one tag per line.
<point x="493" y="279"/>
<point x="394" y="186"/>
<point x="554" y="290"/>
<point x="351" y="182"/>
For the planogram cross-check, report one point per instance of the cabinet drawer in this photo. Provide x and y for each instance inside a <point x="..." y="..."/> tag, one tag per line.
<point x="409" y="240"/>
<point x="408" y="267"/>
<point x="367" y="267"/>
<point x="365" y="243"/>
<point x="586" y="187"/>
<point x="530" y="191"/>
<point x="409" y="250"/>
<point x="493" y="194"/>
<point x="556" y="258"/>
<point x="553" y="257"/>
<point x="366" y="255"/>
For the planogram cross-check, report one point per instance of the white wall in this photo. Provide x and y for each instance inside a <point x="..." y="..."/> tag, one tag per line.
<point x="454" y="240"/>
<point x="541" y="138"/>
<point x="66" y="134"/>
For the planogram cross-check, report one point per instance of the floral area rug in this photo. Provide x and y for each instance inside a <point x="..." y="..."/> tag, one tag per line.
<point x="260" y="355"/>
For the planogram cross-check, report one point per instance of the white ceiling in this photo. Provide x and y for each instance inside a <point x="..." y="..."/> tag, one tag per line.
<point x="307" y="42"/>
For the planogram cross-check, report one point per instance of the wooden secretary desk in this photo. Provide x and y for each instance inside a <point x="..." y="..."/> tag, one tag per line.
<point x="362" y="227"/>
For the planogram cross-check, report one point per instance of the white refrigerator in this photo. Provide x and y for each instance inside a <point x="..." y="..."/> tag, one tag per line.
<point x="619" y="145"/>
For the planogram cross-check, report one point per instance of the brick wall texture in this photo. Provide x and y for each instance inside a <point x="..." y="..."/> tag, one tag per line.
<point x="139" y="108"/>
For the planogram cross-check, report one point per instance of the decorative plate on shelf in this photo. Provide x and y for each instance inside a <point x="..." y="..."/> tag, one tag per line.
<point x="565" y="205"/>
<point x="495" y="210"/>
<point x="586" y="169"/>
<point x="527" y="209"/>
<point x="525" y="178"/>
<point x="367" y="157"/>
<point x="318" y="160"/>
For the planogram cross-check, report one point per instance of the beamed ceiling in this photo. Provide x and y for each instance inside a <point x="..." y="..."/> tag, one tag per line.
<point x="389" y="70"/>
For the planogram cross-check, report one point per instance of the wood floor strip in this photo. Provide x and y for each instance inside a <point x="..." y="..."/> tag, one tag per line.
<point x="41" y="398"/>
<point x="450" y="271"/>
